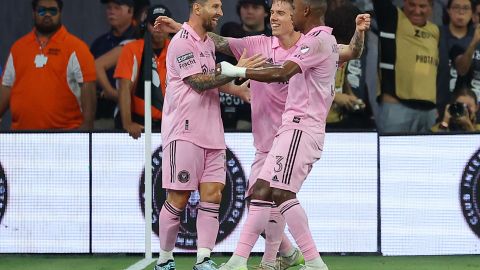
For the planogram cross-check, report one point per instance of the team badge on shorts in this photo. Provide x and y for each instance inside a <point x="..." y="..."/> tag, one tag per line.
<point x="3" y="193"/>
<point x="232" y="206"/>
<point x="469" y="193"/>
<point x="183" y="176"/>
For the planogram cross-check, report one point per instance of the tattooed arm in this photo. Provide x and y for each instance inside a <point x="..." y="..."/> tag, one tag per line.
<point x="204" y="82"/>
<point x="355" y="48"/>
<point x="221" y="44"/>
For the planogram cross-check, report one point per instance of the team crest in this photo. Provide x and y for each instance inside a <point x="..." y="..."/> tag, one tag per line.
<point x="232" y="206"/>
<point x="183" y="176"/>
<point x="469" y="193"/>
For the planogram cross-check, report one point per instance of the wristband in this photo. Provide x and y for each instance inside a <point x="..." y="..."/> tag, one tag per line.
<point x="232" y="71"/>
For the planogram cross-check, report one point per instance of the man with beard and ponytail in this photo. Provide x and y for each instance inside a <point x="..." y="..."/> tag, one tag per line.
<point x="49" y="80"/>
<point x="192" y="133"/>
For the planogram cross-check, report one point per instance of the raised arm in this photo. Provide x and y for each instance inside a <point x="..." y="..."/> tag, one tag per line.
<point x="355" y="48"/>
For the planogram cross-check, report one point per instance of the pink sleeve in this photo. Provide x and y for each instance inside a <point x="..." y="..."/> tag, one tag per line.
<point x="186" y="59"/>
<point x="253" y="44"/>
<point x="310" y="53"/>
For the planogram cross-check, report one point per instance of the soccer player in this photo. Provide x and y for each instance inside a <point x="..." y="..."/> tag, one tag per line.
<point x="310" y="71"/>
<point x="192" y="133"/>
<point x="268" y="103"/>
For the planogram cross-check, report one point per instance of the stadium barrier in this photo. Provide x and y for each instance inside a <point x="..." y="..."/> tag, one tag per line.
<point x="394" y="195"/>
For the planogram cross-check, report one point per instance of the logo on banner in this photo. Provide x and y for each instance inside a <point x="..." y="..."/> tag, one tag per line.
<point x="3" y="193"/>
<point x="231" y="207"/>
<point x="469" y="193"/>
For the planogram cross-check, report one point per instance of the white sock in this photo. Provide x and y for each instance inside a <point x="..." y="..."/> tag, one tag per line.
<point x="164" y="256"/>
<point x="317" y="262"/>
<point x="236" y="260"/>
<point x="289" y="253"/>
<point x="203" y="253"/>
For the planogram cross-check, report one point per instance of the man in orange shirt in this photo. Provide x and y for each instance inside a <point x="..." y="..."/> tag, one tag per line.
<point x="49" y="79"/>
<point x="128" y="72"/>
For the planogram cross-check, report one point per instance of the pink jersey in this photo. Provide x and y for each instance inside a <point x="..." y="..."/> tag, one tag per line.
<point x="311" y="92"/>
<point x="268" y="99"/>
<point x="188" y="115"/>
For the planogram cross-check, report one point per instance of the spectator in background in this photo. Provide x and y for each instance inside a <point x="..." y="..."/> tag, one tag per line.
<point x="119" y="15"/>
<point x="476" y="13"/>
<point x="456" y="33"/>
<point x="408" y="76"/>
<point x="254" y="18"/>
<point x="466" y="59"/>
<point x="128" y="72"/>
<point x="49" y="80"/>
<point x="460" y="114"/>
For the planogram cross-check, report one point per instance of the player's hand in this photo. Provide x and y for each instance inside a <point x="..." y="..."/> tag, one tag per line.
<point x="254" y="61"/>
<point x="134" y="130"/>
<point x="244" y="91"/>
<point x="363" y="22"/>
<point x="166" y="24"/>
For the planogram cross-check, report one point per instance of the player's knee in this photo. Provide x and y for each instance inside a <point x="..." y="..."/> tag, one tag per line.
<point x="261" y="191"/>
<point x="211" y="196"/>
<point x="178" y="199"/>
<point x="280" y="196"/>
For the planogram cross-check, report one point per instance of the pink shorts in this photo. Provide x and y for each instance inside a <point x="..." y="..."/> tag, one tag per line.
<point x="186" y="165"/>
<point x="291" y="159"/>
<point x="257" y="171"/>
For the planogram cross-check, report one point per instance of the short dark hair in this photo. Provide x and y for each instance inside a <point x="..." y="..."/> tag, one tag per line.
<point x="191" y="2"/>
<point x="35" y="4"/>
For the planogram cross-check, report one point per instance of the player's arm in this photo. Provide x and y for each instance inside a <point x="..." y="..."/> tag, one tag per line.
<point x="241" y="91"/>
<point x="203" y="82"/>
<point x="221" y="44"/>
<point x="281" y="73"/>
<point x="356" y="46"/>
<point x="88" y="101"/>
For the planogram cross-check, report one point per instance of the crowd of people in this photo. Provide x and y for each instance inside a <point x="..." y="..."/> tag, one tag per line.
<point x="389" y="88"/>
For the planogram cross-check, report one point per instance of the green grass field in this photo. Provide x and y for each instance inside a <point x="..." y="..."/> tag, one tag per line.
<point x="117" y="262"/>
